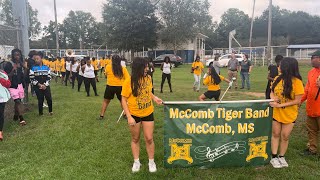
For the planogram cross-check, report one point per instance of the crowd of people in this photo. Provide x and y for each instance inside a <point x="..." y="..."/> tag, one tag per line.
<point x="135" y="92"/>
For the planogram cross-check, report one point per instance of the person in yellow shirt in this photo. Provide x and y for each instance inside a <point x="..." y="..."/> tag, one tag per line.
<point x="94" y="63"/>
<point x="196" y="69"/>
<point x="62" y="69"/>
<point x="137" y="105"/>
<point x="102" y="65"/>
<point x="116" y="75"/>
<point x="52" y="64"/>
<point x="57" y="68"/>
<point x="108" y="60"/>
<point x="286" y="91"/>
<point x="212" y="80"/>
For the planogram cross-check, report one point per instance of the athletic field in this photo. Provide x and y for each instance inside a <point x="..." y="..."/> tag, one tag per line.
<point x="73" y="144"/>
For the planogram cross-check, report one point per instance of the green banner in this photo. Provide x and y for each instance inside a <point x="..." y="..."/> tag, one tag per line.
<point x="217" y="135"/>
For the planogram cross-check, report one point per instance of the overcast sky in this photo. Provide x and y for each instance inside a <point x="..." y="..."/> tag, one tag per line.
<point x="218" y="7"/>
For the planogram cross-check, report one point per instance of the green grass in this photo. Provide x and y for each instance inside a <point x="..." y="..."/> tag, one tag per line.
<point x="72" y="144"/>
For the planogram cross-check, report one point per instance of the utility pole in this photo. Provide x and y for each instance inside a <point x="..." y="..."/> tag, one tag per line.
<point x="269" y="34"/>
<point x="21" y="17"/>
<point x="252" y="19"/>
<point x="56" y="28"/>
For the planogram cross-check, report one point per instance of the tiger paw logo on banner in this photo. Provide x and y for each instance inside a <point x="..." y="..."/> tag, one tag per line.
<point x="258" y="148"/>
<point x="180" y="152"/>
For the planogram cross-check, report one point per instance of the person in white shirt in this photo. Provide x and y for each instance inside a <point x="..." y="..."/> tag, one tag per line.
<point x="68" y="65"/>
<point x="73" y="68"/>
<point x="166" y="72"/>
<point x="89" y="77"/>
<point x="80" y="73"/>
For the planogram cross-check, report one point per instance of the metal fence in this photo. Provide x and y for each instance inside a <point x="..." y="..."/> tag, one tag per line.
<point x="10" y="38"/>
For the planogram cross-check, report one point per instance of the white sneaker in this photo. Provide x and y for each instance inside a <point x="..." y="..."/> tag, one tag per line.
<point x="44" y="105"/>
<point x="283" y="162"/>
<point x="136" y="167"/>
<point x="275" y="163"/>
<point x="152" y="167"/>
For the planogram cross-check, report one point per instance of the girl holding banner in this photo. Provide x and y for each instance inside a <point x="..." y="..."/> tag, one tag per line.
<point x="286" y="91"/>
<point x="212" y="80"/>
<point x="137" y="105"/>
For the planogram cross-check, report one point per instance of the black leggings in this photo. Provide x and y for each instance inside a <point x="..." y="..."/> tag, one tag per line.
<point x="80" y="80"/>
<point x="2" y="106"/>
<point x="164" y="77"/>
<point x="73" y="78"/>
<point x="41" y="94"/>
<point x="87" y="82"/>
<point x="67" y="78"/>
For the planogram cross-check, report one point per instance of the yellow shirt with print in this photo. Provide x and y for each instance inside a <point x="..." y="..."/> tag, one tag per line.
<point x="95" y="64"/>
<point x="63" y="66"/>
<point x="112" y="80"/>
<point x="142" y="105"/>
<point x="287" y="114"/>
<point x="210" y="83"/>
<point x="197" y="66"/>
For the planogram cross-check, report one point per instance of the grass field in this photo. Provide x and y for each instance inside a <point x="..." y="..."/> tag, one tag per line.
<point x="72" y="144"/>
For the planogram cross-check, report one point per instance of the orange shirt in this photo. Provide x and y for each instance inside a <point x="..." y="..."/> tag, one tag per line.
<point x="310" y="92"/>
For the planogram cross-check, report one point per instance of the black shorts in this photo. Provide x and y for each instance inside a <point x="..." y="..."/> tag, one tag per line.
<point x="281" y="122"/>
<point x="213" y="94"/>
<point x="96" y="72"/>
<point x="147" y="118"/>
<point x="63" y="74"/>
<point x="111" y="90"/>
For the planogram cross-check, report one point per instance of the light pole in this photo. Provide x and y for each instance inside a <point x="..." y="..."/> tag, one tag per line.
<point x="269" y="34"/>
<point x="252" y="18"/>
<point x="56" y="28"/>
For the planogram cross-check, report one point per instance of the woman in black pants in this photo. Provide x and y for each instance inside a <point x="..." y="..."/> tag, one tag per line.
<point x="166" y="72"/>
<point x="151" y="71"/>
<point x="80" y="73"/>
<point x="73" y="69"/>
<point x="89" y="77"/>
<point x="67" y="66"/>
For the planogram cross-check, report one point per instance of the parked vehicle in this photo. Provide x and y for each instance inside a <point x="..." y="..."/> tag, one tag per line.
<point x="175" y="60"/>
<point x="223" y="60"/>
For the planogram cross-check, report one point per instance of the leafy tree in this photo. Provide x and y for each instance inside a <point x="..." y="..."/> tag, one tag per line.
<point x="230" y="20"/>
<point x="79" y="24"/>
<point x="130" y="24"/>
<point x="49" y="35"/>
<point x="6" y="17"/>
<point x="182" y="20"/>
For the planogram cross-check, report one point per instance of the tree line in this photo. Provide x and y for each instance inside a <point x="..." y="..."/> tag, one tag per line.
<point x="136" y="24"/>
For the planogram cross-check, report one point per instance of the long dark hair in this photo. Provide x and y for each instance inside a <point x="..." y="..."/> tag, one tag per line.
<point x="165" y="58"/>
<point x="215" y="79"/>
<point x="116" y="66"/>
<point x="289" y="69"/>
<point x="137" y="74"/>
<point x="12" y="55"/>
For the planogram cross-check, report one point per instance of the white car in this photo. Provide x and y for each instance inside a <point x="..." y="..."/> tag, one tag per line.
<point x="223" y="60"/>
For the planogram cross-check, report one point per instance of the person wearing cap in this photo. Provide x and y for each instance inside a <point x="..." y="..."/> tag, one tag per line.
<point x="311" y="94"/>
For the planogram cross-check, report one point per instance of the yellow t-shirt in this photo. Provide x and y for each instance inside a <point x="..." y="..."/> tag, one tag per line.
<point x="95" y="64"/>
<point x="108" y="61"/>
<point x="45" y="62"/>
<point x="112" y="80"/>
<point x="211" y="86"/>
<point x="102" y="63"/>
<point x="62" y="63"/>
<point x="52" y="65"/>
<point x="142" y="105"/>
<point x="58" y="65"/>
<point x="198" y="66"/>
<point x="287" y="114"/>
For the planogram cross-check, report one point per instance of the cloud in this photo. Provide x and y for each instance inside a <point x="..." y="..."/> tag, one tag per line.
<point x="218" y="7"/>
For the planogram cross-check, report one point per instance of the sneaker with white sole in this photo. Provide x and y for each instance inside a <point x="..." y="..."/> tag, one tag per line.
<point x="152" y="167"/>
<point x="136" y="167"/>
<point x="283" y="162"/>
<point x="275" y="163"/>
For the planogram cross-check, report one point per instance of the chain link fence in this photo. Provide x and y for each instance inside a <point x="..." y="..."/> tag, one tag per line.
<point x="9" y="39"/>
